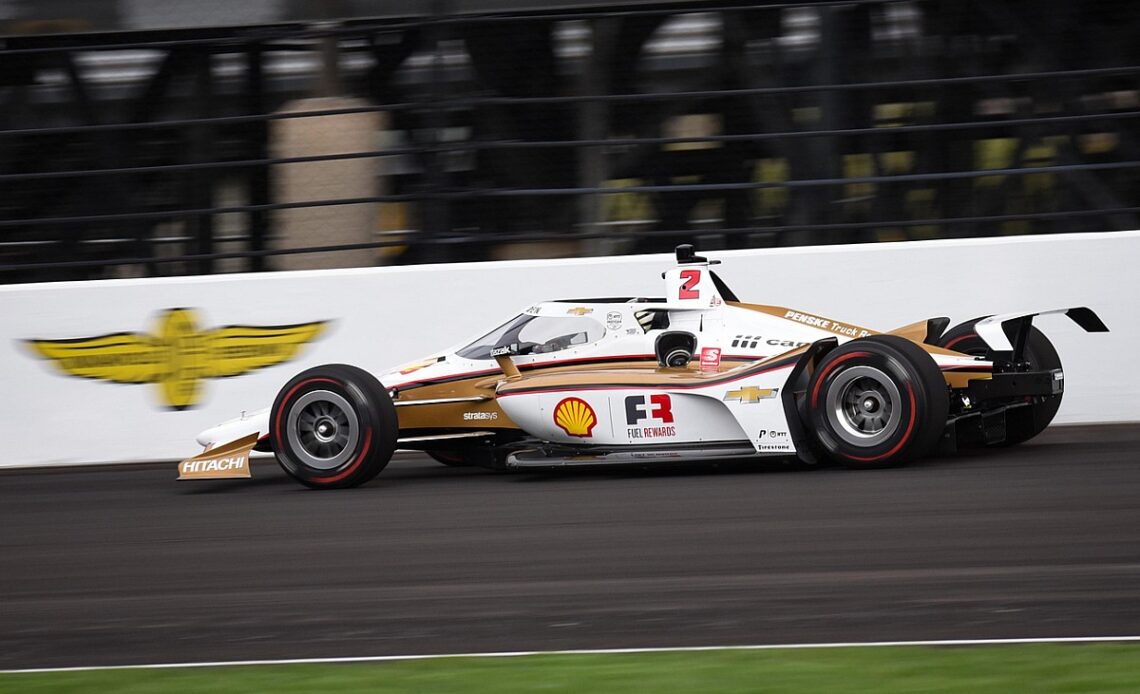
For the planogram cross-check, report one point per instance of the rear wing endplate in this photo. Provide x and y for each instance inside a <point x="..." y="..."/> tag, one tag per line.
<point x="992" y="330"/>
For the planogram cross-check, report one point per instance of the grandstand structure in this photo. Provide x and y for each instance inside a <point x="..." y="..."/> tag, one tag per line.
<point x="164" y="138"/>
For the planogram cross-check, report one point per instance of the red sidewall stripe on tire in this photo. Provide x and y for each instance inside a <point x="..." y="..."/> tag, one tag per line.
<point x="827" y="370"/>
<point x="902" y="441"/>
<point x="958" y="339"/>
<point x="277" y="422"/>
<point x="355" y="464"/>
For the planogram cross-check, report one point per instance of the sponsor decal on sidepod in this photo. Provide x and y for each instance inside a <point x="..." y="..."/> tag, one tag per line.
<point x="657" y="407"/>
<point x="750" y="394"/>
<point x="480" y="416"/>
<point x="575" y="417"/>
<point x="710" y="359"/>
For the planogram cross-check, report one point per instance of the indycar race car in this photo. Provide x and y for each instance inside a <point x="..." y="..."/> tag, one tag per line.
<point x="694" y="375"/>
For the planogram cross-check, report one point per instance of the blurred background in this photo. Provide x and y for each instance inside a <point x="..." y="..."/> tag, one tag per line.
<point x="165" y="137"/>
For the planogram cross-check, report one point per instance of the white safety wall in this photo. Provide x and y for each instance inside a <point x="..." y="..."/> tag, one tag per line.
<point x="385" y="316"/>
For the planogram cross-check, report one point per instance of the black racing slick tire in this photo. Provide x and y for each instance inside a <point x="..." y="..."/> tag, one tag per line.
<point x="1022" y="423"/>
<point x="333" y="426"/>
<point x="878" y="401"/>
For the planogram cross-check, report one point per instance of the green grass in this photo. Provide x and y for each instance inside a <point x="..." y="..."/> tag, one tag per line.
<point x="973" y="669"/>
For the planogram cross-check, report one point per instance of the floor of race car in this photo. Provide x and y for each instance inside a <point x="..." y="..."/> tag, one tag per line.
<point x="124" y="565"/>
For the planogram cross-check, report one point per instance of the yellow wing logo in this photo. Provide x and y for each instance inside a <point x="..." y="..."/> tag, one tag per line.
<point x="179" y="356"/>
<point x="119" y="358"/>
<point x="239" y="349"/>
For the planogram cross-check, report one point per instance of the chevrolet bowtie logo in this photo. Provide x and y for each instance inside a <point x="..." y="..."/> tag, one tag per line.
<point x="579" y="311"/>
<point x="179" y="356"/>
<point x="750" y="394"/>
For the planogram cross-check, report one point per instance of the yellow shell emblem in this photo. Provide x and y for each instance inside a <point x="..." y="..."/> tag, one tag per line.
<point x="575" y="417"/>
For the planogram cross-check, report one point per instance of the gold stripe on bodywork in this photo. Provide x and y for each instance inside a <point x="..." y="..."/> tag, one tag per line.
<point x="915" y="332"/>
<point x="450" y="415"/>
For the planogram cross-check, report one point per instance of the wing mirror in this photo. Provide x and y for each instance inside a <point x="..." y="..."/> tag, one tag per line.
<point x="502" y="356"/>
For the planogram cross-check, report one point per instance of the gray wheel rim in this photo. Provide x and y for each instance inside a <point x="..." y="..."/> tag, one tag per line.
<point x="322" y="429"/>
<point x="864" y="406"/>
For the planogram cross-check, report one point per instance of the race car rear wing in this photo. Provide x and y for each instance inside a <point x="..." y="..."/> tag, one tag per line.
<point x="993" y="330"/>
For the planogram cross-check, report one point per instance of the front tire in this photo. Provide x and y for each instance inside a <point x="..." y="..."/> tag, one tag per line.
<point x="878" y="401"/>
<point x="1021" y="423"/>
<point x="333" y="426"/>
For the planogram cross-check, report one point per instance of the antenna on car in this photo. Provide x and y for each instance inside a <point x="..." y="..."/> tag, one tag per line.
<point x="686" y="255"/>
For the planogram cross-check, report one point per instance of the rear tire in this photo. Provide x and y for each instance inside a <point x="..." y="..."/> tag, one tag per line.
<point x="878" y="401"/>
<point x="1022" y="423"/>
<point x="333" y="426"/>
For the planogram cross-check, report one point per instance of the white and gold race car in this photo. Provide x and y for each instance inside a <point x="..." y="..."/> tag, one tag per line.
<point x="694" y="375"/>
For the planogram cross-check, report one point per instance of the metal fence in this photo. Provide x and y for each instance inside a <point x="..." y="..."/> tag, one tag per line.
<point x="439" y="136"/>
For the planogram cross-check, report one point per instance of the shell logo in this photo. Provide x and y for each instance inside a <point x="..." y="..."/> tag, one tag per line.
<point x="575" y="417"/>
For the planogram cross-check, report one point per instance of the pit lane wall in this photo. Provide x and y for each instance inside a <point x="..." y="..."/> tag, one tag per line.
<point x="131" y="370"/>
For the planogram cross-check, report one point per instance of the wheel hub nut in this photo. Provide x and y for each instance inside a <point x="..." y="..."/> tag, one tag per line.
<point x="325" y="429"/>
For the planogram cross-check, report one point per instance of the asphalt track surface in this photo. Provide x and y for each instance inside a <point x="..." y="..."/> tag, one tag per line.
<point x="124" y="565"/>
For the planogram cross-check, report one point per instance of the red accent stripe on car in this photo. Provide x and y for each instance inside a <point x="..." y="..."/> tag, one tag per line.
<point x="783" y="364"/>
<point x="523" y="367"/>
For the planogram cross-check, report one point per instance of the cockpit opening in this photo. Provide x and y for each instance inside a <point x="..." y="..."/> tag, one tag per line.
<point x="528" y="334"/>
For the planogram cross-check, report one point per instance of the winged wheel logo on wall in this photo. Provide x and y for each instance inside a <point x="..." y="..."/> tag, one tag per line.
<point x="179" y="356"/>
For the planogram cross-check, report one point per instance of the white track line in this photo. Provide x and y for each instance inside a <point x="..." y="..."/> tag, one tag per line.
<point x="587" y="651"/>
